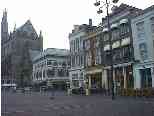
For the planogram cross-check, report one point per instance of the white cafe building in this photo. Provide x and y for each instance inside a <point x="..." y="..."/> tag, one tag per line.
<point x="51" y="65"/>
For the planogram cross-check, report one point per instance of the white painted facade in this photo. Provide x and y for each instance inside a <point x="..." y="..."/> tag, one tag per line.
<point x="143" y="42"/>
<point x="76" y="74"/>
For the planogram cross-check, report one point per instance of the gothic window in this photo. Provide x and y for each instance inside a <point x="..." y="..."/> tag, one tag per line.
<point x="2" y="82"/>
<point x="81" y="60"/>
<point x="143" y="51"/>
<point x="71" y="43"/>
<point x="44" y="73"/>
<point x="40" y="74"/>
<point x="37" y="75"/>
<point x="73" y="61"/>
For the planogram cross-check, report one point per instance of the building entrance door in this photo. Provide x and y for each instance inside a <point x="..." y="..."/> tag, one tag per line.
<point x="146" y="78"/>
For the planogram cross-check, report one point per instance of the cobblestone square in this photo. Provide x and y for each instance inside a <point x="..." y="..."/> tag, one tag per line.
<point x="40" y="104"/>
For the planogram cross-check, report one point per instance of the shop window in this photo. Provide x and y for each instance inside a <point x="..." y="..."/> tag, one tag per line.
<point x="75" y="83"/>
<point x="146" y="78"/>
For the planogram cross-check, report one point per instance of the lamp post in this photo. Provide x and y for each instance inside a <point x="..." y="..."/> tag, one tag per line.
<point x="107" y="3"/>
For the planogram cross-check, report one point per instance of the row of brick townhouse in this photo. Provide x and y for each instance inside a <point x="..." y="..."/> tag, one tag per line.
<point x="94" y="47"/>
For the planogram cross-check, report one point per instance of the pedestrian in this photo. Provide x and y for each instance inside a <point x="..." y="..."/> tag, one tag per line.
<point x="51" y="88"/>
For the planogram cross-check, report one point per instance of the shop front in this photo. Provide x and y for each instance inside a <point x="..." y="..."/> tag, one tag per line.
<point x="95" y="81"/>
<point x="122" y="78"/>
<point x="144" y="75"/>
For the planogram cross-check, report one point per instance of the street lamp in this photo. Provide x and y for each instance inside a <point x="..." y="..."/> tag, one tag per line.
<point x="107" y="3"/>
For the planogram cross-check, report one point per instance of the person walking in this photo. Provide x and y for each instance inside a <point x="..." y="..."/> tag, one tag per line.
<point x="52" y="90"/>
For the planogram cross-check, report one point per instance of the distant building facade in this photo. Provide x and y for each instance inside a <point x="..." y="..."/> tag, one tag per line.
<point x="122" y="48"/>
<point x="51" y="66"/>
<point x="93" y="69"/>
<point x="143" y="41"/>
<point x="16" y="64"/>
<point x="76" y="38"/>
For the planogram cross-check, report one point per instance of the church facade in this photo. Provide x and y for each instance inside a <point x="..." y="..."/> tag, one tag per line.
<point x="17" y="49"/>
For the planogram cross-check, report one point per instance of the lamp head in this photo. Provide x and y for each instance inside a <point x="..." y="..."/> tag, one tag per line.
<point x="97" y="3"/>
<point x="100" y="11"/>
<point x="115" y="1"/>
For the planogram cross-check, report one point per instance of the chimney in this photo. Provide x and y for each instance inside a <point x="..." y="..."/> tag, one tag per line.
<point x="90" y="22"/>
<point x="103" y="20"/>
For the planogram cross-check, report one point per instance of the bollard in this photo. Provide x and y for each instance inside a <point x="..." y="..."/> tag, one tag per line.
<point x="87" y="92"/>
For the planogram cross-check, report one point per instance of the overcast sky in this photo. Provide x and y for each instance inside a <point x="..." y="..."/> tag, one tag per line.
<point x="56" y="17"/>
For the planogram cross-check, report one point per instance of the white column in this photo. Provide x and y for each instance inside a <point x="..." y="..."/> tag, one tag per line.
<point x="137" y="78"/>
<point x="114" y="81"/>
<point x="124" y="74"/>
<point x="42" y="73"/>
<point x="89" y="77"/>
<point x="104" y="76"/>
<point x="103" y="79"/>
<point x="46" y="76"/>
<point x="114" y="78"/>
<point x="152" y="74"/>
